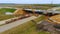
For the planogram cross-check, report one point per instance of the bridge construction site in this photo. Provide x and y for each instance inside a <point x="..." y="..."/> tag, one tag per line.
<point x="34" y="21"/>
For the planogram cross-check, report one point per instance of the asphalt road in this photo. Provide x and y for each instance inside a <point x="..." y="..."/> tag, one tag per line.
<point x="14" y="24"/>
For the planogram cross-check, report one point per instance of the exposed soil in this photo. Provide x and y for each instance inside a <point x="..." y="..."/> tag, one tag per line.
<point x="47" y="26"/>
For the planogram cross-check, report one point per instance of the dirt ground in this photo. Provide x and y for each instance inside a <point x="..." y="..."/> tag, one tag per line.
<point x="46" y="26"/>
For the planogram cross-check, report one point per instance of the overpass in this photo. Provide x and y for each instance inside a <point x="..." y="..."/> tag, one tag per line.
<point x="45" y="12"/>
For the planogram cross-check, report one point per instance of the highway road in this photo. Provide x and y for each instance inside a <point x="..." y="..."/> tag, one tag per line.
<point x="14" y="24"/>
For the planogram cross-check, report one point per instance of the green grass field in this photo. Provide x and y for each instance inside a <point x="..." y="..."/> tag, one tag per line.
<point x="26" y="28"/>
<point x="7" y="9"/>
<point x="3" y="16"/>
<point x="40" y="18"/>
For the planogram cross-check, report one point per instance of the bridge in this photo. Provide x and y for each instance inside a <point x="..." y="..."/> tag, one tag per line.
<point x="45" y="12"/>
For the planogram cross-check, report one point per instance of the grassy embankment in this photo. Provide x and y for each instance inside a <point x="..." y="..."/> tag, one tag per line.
<point x="58" y="9"/>
<point x="26" y="28"/>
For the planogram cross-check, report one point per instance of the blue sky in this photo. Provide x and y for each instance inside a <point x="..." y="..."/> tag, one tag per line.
<point x="30" y="1"/>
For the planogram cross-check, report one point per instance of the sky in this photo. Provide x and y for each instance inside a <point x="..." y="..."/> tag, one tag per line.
<point x="31" y="1"/>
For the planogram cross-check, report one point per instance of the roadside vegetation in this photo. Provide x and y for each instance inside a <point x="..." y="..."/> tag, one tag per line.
<point x="40" y="18"/>
<point x="26" y="28"/>
<point x="4" y="17"/>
